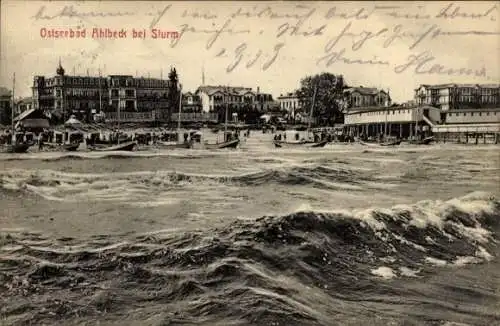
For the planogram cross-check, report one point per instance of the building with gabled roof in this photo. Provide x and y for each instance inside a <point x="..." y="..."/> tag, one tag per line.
<point x="215" y="97"/>
<point x="356" y="97"/>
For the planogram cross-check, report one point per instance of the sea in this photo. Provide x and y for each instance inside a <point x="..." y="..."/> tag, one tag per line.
<point x="340" y="235"/>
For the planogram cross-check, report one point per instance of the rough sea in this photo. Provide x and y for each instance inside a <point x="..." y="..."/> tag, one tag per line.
<point x="343" y="235"/>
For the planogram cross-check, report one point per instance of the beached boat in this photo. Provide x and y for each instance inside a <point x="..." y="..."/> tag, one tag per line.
<point x="306" y="144"/>
<point x="187" y="144"/>
<point x="55" y="147"/>
<point x="387" y="143"/>
<point x="425" y="141"/>
<point x="21" y="147"/>
<point x="127" y="146"/>
<point x="72" y="147"/>
<point x="170" y="145"/>
<point x="227" y="144"/>
<point x="303" y="143"/>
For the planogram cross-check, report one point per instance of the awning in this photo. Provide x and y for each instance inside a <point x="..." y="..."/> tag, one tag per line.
<point x="35" y="123"/>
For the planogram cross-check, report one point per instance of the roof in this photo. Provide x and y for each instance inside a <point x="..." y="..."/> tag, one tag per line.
<point x="364" y="90"/>
<point x="24" y="114"/>
<point x="36" y="123"/>
<point x="25" y="100"/>
<point x="387" y="108"/>
<point x="474" y="110"/>
<point x="450" y="85"/>
<point x="210" y="90"/>
<point x="5" y="92"/>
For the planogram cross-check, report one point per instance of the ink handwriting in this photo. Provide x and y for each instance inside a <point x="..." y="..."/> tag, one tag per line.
<point x="334" y="57"/>
<point x="423" y="63"/>
<point x="343" y="30"/>
<point x="216" y="33"/>
<point x="241" y="52"/>
<point x="71" y="12"/>
<point x="158" y="16"/>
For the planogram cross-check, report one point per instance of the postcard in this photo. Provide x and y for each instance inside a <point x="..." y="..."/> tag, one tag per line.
<point x="249" y="162"/>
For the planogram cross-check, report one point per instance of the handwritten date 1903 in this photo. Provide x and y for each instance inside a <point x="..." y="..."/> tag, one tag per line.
<point x="241" y="53"/>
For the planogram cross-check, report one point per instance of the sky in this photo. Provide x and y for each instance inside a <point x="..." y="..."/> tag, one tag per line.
<point x="395" y="46"/>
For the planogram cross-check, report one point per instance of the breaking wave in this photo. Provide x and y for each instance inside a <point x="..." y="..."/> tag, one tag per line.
<point x="56" y="185"/>
<point x="297" y="269"/>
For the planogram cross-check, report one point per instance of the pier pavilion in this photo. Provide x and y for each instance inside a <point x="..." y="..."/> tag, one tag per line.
<point x="398" y="121"/>
<point x="463" y="126"/>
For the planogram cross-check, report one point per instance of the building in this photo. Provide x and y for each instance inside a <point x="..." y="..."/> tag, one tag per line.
<point x="32" y="120"/>
<point x="290" y="103"/>
<point x="191" y="103"/>
<point x="83" y="96"/>
<point x="481" y="125"/>
<point x="357" y="97"/>
<point x="24" y="104"/>
<point x="5" y="105"/>
<point x="214" y="98"/>
<point x="458" y="96"/>
<point x="473" y="116"/>
<point x="398" y="121"/>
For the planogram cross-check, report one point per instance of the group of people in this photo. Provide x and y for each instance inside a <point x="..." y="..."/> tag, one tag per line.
<point x="317" y="137"/>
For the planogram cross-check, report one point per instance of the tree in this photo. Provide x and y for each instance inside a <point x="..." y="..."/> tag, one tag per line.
<point x="173" y="90"/>
<point x="329" y="96"/>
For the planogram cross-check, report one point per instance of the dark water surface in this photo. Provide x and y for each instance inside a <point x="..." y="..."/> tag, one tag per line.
<point x="345" y="235"/>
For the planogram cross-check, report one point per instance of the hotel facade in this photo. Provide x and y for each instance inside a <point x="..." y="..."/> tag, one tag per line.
<point x="458" y="96"/>
<point x="137" y="99"/>
<point x="213" y="98"/>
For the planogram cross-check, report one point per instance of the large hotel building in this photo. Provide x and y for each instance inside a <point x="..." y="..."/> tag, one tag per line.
<point x="140" y="99"/>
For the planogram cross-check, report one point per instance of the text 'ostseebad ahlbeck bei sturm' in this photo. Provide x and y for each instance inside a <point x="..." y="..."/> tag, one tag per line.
<point x="107" y="33"/>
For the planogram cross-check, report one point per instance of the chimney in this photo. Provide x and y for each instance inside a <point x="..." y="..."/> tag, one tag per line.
<point x="258" y="89"/>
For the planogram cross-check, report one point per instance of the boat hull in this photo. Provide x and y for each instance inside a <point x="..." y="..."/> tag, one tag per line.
<point x="281" y="144"/>
<point x="228" y="144"/>
<point x="17" y="148"/>
<point x="393" y="143"/>
<point x="174" y="146"/>
<point x="71" y="147"/>
<point x="425" y="141"/>
<point x="128" y="146"/>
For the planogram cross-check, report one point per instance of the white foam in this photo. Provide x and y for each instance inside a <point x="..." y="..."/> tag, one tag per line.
<point x="482" y="253"/>
<point x="409" y="243"/>
<point x="465" y="260"/>
<point x="477" y="234"/>
<point x="384" y="272"/>
<point x="435" y="261"/>
<point x="405" y="271"/>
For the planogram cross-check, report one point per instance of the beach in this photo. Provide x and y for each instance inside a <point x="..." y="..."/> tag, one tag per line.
<point x="341" y="235"/>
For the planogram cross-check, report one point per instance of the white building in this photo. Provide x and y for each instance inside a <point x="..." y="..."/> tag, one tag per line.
<point x="213" y="97"/>
<point x="473" y="116"/>
<point x="401" y="121"/>
<point x="290" y="103"/>
<point x="458" y="96"/>
<point x="463" y="125"/>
